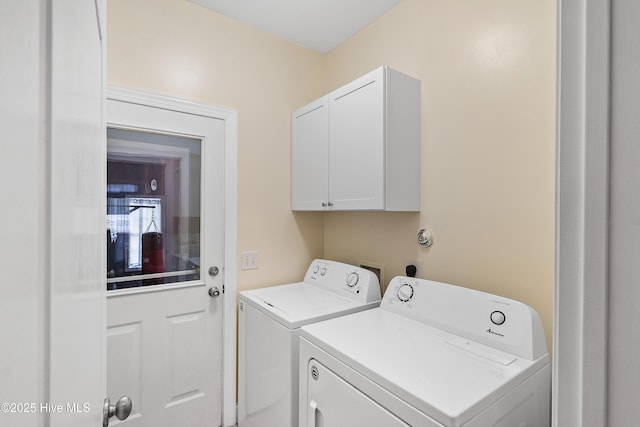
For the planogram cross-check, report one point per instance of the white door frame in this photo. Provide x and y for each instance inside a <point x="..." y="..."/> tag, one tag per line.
<point x="582" y="214"/>
<point x="230" y="190"/>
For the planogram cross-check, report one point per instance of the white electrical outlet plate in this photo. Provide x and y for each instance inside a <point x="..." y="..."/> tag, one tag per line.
<point x="249" y="260"/>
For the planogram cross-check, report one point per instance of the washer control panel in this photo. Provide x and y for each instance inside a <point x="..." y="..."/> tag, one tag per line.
<point x="348" y="280"/>
<point x="492" y="320"/>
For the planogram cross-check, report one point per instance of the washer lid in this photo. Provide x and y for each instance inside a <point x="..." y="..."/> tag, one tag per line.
<point x="427" y="367"/>
<point x="298" y="304"/>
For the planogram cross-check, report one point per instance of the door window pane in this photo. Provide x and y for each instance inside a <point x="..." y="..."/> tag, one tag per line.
<point x="153" y="209"/>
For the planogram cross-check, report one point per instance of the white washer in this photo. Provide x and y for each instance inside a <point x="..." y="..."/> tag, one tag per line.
<point x="432" y="354"/>
<point x="269" y="329"/>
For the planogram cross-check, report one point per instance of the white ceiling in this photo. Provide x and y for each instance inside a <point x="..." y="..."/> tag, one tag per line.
<point x="320" y="25"/>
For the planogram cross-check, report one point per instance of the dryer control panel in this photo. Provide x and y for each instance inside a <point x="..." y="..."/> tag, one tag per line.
<point x="498" y="322"/>
<point x="353" y="282"/>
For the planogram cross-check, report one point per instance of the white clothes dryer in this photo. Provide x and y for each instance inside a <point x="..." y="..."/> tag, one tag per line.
<point x="431" y="355"/>
<point x="268" y="337"/>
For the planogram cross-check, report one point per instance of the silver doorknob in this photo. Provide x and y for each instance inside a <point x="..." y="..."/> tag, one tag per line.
<point x="121" y="410"/>
<point x="214" y="292"/>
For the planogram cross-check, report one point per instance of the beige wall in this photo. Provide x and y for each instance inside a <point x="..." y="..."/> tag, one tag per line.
<point x="178" y="49"/>
<point x="488" y="145"/>
<point x="488" y="121"/>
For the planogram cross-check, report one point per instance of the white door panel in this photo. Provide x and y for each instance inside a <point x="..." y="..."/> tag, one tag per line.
<point x="124" y="349"/>
<point x="161" y="354"/>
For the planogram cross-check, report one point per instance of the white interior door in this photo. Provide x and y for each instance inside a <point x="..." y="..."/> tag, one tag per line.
<point x="51" y="311"/>
<point x="70" y="243"/>
<point x="165" y="257"/>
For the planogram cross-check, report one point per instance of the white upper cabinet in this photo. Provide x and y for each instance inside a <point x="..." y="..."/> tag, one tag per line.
<point x="359" y="147"/>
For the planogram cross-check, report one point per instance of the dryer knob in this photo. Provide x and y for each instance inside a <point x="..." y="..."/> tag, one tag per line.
<point x="352" y="279"/>
<point x="405" y="292"/>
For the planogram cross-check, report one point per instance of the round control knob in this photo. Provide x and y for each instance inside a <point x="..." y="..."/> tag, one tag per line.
<point x="405" y="292"/>
<point x="315" y="269"/>
<point x="352" y="279"/>
<point x="323" y="271"/>
<point x="497" y="317"/>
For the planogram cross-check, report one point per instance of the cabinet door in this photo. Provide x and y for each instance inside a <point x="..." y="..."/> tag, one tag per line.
<point x="356" y="152"/>
<point x="309" y="152"/>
